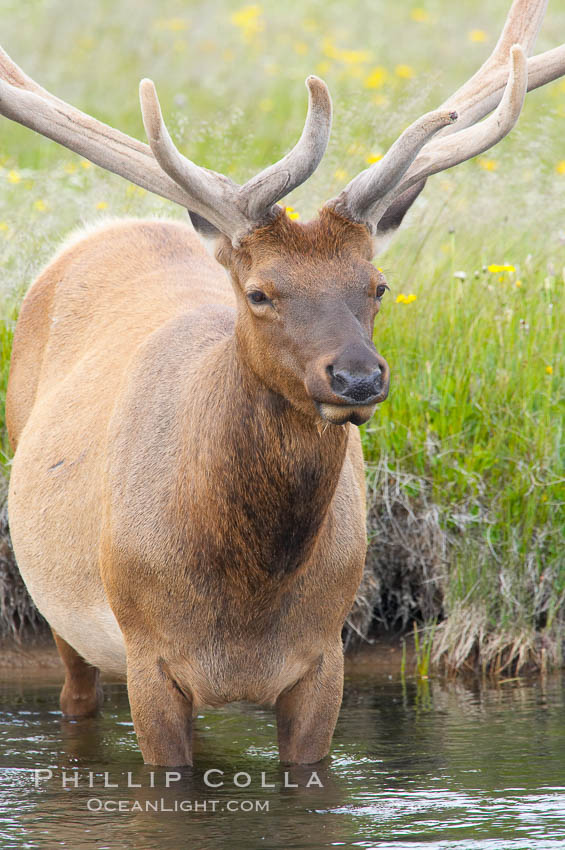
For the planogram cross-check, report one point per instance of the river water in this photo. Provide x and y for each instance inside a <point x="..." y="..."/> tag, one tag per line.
<point x="429" y="764"/>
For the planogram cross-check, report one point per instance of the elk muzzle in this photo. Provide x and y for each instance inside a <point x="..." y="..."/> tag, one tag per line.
<point x="348" y="385"/>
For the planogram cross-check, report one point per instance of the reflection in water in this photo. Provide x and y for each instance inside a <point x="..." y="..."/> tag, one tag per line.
<point x="439" y="765"/>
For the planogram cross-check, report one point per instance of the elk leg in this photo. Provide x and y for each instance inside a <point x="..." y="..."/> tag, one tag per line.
<point x="307" y="713"/>
<point x="161" y="713"/>
<point x="82" y="694"/>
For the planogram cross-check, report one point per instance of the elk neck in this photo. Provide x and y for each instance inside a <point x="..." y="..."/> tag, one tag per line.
<point x="266" y="475"/>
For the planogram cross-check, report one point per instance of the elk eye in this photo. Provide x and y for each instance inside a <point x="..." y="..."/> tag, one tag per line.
<point x="381" y="289"/>
<point x="257" y="297"/>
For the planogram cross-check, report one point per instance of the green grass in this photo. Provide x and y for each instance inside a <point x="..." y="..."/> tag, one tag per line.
<point x="474" y="421"/>
<point x="476" y="415"/>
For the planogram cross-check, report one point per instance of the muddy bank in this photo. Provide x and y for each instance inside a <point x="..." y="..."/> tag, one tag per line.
<point x="39" y="658"/>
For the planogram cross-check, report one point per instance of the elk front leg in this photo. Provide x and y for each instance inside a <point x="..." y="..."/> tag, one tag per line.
<point x="161" y="714"/>
<point x="307" y="713"/>
<point x="82" y="694"/>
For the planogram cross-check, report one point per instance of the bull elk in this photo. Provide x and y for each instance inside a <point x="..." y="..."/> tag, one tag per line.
<point x="187" y="493"/>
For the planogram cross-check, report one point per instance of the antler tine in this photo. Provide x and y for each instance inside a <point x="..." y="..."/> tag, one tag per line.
<point x="229" y="207"/>
<point x="482" y="92"/>
<point x="11" y="73"/>
<point x="546" y="67"/>
<point x="472" y="102"/>
<point x="444" y="153"/>
<point x="542" y="69"/>
<point x="278" y="180"/>
<point x="357" y="198"/>
<point x="25" y="102"/>
<point x="160" y="167"/>
<point x="209" y="194"/>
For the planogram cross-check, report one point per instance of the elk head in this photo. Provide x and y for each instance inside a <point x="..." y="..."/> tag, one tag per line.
<point x="307" y="299"/>
<point x="307" y="294"/>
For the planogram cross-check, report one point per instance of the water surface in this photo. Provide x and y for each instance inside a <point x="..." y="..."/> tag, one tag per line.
<point x="415" y="765"/>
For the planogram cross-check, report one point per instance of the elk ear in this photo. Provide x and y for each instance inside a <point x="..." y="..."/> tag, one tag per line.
<point x="209" y="234"/>
<point x="392" y="219"/>
<point x="203" y="226"/>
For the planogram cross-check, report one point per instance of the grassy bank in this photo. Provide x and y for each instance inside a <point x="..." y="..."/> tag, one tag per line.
<point x="464" y="471"/>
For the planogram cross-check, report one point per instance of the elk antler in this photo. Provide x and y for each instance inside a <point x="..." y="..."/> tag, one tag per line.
<point x="445" y="153"/>
<point x="160" y="168"/>
<point x="231" y="208"/>
<point x="380" y="196"/>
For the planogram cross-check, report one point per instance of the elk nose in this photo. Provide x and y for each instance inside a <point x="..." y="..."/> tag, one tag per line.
<point x="357" y="388"/>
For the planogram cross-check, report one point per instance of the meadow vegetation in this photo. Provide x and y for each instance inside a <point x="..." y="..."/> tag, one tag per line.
<point x="465" y="474"/>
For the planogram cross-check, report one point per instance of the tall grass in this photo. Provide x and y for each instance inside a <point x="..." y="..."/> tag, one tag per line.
<point x="473" y="428"/>
<point x="476" y="417"/>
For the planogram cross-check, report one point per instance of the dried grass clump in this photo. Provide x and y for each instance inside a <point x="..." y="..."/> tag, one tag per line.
<point x="408" y="548"/>
<point x="466" y="642"/>
<point x="406" y="565"/>
<point x="19" y="618"/>
<point x="499" y="610"/>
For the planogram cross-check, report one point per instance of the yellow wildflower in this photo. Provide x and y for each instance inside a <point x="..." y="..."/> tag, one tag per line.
<point x="323" y="67"/>
<point x="102" y="205"/>
<point x="329" y="49"/>
<point x="353" y="57"/>
<point x="248" y="20"/>
<point x="292" y="213"/>
<point x="171" y="24"/>
<point x="70" y="167"/>
<point x="549" y="370"/>
<point x="376" y="78"/>
<point x="405" y="72"/>
<point x="496" y="269"/>
<point x="419" y="15"/>
<point x="3" y="225"/>
<point x="380" y="100"/>
<point x="40" y="205"/>
<point x="373" y="157"/>
<point x="341" y="54"/>
<point x="405" y="299"/>
<point x="560" y="167"/>
<point x="340" y="174"/>
<point x="85" y="42"/>
<point x="477" y="36"/>
<point x="354" y="148"/>
<point x="518" y="283"/>
<point x="13" y="177"/>
<point x="487" y="164"/>
<point x="85" y="164"/>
